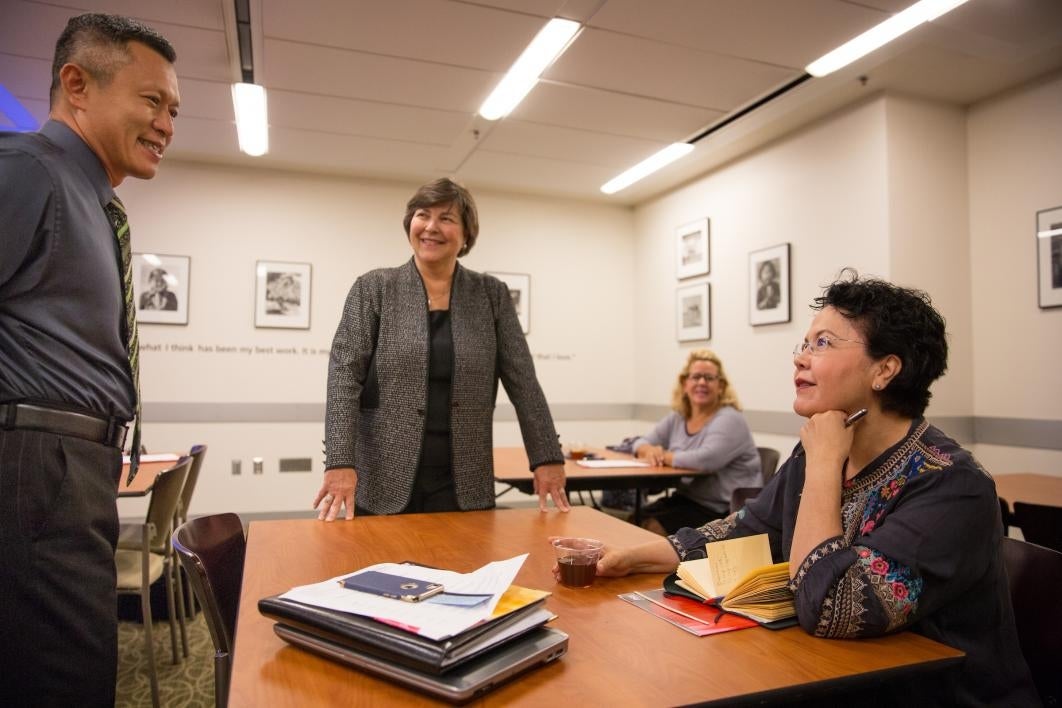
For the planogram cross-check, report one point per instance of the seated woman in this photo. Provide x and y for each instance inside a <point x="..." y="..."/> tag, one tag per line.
<point x="888" y="524"/>
<point x="706" y="432"/>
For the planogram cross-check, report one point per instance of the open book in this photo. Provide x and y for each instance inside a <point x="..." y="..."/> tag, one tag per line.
<point x="739" y="576"/>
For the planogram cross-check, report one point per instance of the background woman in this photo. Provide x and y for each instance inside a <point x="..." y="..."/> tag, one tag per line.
<point x="888" y="524"/>
<point x="414" y="372"/>
<point x="705" y="432"/>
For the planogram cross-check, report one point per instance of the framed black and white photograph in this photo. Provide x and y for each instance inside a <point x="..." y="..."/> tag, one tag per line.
<point x="520" y="291"/>
<point x="282" y="295"/>
<point x="769" y="285"/>
<point x="160" y="288"/>
<point x="691" y="249"/>
<point x="693" y="312"/>
<point x="1049" y="256"/>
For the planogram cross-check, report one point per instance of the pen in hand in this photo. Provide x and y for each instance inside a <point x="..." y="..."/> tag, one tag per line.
<point x="850" y="420"/>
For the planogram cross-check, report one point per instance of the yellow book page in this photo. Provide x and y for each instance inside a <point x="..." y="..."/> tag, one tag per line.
<point x="731" y="560"/>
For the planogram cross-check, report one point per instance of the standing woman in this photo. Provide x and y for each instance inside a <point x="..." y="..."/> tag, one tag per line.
<point x="413" y="376"/>
<point x="707" y="432"/>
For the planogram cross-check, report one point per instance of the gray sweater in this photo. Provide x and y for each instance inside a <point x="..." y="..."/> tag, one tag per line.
<point x="723" y="447"/>
<point x="376" y="406"/>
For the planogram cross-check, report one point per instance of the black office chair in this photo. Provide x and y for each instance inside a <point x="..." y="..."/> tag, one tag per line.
<point x="1035" y="574"/>
<point x="212" y="549"/>
<point x="1039" y="524"/>
<point x="742" y="495"/>
<point x="768" y="462"/>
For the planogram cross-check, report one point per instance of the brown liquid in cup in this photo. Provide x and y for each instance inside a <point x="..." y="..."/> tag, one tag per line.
<point x="576" y="574"/>
<point x="578" y="454"/>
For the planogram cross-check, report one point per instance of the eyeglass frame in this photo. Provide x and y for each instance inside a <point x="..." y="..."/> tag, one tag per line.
<point x="815" y="348"/>
<point x="707" y="378"/>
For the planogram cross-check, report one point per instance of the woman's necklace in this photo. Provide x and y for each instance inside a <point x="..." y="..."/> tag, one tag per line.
<point x="438" y="298"/>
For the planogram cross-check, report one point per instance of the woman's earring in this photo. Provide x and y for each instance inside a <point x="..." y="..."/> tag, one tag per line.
<point x="877" y="387"/>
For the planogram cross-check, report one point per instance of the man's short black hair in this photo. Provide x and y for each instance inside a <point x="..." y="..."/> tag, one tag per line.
<point x="100" y="44"/>
<point x="899" y="321"/>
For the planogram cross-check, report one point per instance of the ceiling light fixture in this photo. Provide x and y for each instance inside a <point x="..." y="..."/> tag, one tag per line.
<point x="647" y="167"/>
<point x="544" y="49"/>
<point x="881" y="34"/>
<point x="252" y="122"/>
<point x="248" y="98"/>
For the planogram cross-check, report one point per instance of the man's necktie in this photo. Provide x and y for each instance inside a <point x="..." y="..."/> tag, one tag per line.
<point x="120" y="223"/>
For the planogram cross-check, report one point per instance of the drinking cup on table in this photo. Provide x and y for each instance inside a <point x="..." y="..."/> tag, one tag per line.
<point x="577" y="450"/>
<point x="577" y="559"/>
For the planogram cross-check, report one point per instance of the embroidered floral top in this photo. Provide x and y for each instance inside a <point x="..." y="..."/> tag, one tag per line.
<point x="920" y="550"/>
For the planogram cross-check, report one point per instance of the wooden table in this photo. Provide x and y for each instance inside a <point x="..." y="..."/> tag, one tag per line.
<point x="618" y="654"/>
<point x="146" y="474"/>
<point x="511" y="467"/>
<point x="1031" y="488"/>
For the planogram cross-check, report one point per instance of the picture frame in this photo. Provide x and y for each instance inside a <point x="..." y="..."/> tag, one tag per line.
<point x="693" y="312"/>
<point x="1049" y="257"/>
<point x="282" y="295"/>
<point x="520" y="291"/>
<point x="160" y="288"/>
<point x="769" y="285"/>
<point x="691" y="249"/>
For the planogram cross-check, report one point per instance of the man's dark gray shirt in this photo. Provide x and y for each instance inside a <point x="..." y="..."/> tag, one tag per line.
<point x="60" y="294"/>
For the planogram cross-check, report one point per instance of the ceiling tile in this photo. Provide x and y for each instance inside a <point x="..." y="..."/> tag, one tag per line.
<point x="331" y="114"/>
<point x="642" y="67"/>
<point x="794" y="35"/>
<point x="444" y="32"/>
<point x="592" y="148"/>
<point x="612" y="113"/>
<point x="190" y="13"/>
<point x="521" y="173"/>
<point x="26" y="78"/>
<point x="339" y="72"/>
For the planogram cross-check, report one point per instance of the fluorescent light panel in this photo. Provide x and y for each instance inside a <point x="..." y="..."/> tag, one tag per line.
<point x="547" y="45"/>
<point x="647" y="167"/>
<point x="252" y="120"/>
<point x="881" y="34"/>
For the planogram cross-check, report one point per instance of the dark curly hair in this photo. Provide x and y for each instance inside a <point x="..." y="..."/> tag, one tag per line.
<point x="446" y="191"/>
<point x="99" y="44"/>
<point x="898" y="321"/>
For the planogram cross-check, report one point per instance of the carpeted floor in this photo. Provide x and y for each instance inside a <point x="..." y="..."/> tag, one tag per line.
<point x="189" y="684"/>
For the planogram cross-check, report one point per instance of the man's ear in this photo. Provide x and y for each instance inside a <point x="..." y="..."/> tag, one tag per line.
<point x="75" y="82"/>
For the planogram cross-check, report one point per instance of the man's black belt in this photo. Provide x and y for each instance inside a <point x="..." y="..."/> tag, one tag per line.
<point x="27" y="416"/>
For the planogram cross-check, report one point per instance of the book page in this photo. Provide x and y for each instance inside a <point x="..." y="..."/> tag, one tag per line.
<point x="731" y="560"/>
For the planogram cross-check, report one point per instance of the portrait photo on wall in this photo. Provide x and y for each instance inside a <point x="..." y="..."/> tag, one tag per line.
<point x="282" y="295"/>
<point x="769" y="285"/>
<point x="520" y="291"/>
<point x="693" y="312"/>
<point x="1049" y="256"/>
<point x="691" y="249"/>
<point x="160" y="288"/>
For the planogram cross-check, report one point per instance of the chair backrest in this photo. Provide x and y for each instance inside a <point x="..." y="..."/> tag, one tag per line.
<point x="742" y="495"/>
<point x="165" y="495"/>
<point x="1039" y="524"/>
<point x="197" y="454"/>
<point x="768" y="462"/>
<point x="211" y="549"/>
<point x="1035" y="574"/>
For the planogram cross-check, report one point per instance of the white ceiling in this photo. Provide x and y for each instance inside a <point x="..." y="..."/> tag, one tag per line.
<point x="390" y="88"/>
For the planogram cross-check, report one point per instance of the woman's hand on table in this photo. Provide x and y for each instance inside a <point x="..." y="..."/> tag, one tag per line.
<point x="653" y="454"/>
<point x="549" y="482"/>
<point x="336" y="492"/>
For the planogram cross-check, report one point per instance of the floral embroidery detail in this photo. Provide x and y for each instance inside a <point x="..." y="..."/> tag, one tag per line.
<point x="895" y="585"/>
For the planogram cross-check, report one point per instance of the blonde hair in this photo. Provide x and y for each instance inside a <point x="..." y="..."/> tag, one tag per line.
<point x="680" y="402"/>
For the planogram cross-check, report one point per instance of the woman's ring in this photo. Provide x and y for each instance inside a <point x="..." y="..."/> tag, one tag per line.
<point x="328" y="498"/>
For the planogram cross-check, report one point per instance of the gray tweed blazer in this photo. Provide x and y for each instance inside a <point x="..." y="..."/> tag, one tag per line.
<point x="376" y="405"/>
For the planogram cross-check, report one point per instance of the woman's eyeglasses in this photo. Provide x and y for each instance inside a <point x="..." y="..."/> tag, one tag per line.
<point x="707" y="378"/>
<point x="820" y="344"/>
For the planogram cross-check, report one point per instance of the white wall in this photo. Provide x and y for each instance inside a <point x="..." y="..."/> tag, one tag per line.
<point x="1015" y="169"/>
<point x="823" y="191"/>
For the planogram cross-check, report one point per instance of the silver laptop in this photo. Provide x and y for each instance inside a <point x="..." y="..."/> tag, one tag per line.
<point x="465" y="682"/>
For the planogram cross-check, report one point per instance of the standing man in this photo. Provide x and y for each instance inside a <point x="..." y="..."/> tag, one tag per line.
<point x="68" y="355"/>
